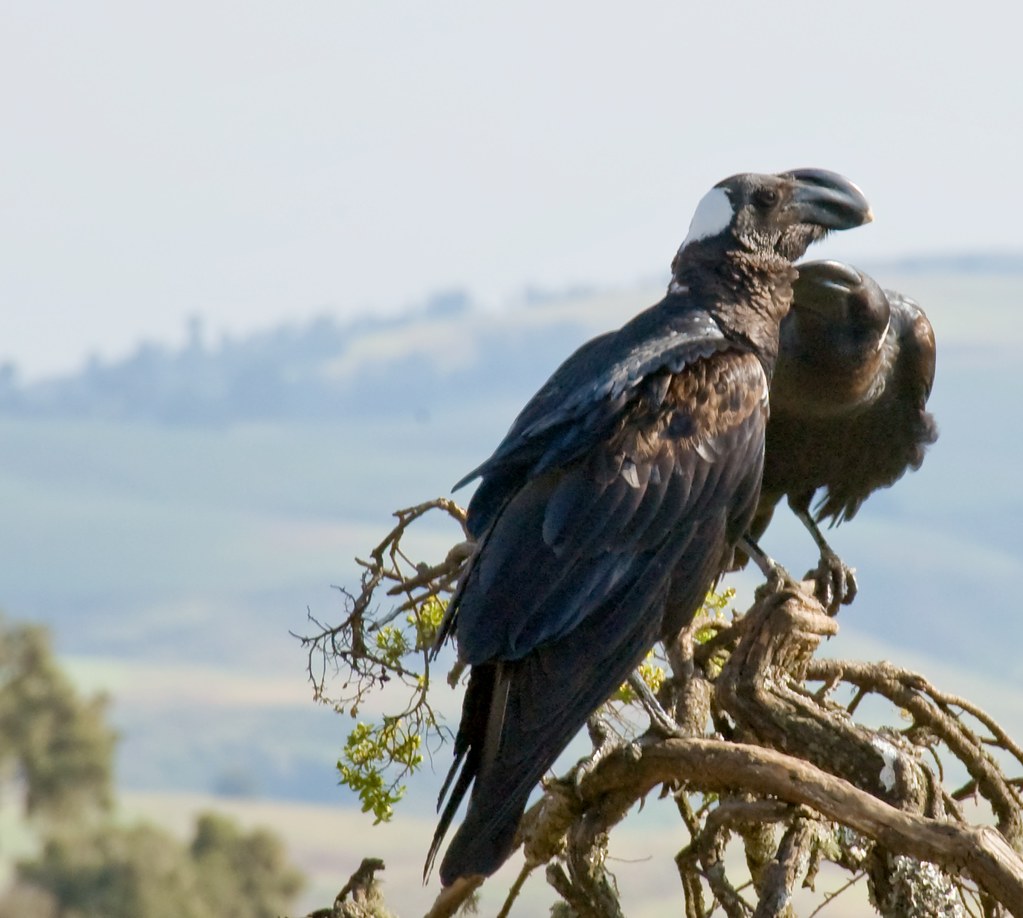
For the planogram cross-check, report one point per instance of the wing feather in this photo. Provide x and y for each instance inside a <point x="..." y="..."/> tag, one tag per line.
<point x="581" y="525"/>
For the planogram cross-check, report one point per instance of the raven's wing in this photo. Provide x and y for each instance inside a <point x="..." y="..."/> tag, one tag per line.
<point x="583" y="526"/>
<point x="585" y="397"/>
<point x="570" y="584"/>
<point x="917" y="348"/>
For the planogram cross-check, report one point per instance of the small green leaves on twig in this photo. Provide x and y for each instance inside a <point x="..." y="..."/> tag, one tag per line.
<point x="384" y="656"/>
<point x="369" y="751"/>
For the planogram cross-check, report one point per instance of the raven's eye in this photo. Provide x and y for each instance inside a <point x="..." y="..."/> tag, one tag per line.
<point x="766" y="197"/>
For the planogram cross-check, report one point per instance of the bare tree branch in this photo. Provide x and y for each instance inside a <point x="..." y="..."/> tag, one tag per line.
<point x="717" y="766"/>
<point x="782" y="873"/>
<point x="739" y="741"/>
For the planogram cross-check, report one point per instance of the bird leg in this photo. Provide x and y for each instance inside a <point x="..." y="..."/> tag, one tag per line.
<point x="836" y="581"/>
<point x="659" y="718"/>
<point x="604" y="743"/>
<point x="777" y="577"/>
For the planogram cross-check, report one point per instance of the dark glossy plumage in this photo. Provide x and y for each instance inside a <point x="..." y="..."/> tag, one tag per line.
<point x="849" y="395"/>
<point x="617" y="496"/>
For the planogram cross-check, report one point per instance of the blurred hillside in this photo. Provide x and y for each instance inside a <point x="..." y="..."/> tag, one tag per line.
<point x="173" y="515"/>
<point x="444" y="353"/>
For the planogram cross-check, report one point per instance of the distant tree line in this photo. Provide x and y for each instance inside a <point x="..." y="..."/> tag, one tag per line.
<point x="308" y="371"/>
<point x="290" y="372"/>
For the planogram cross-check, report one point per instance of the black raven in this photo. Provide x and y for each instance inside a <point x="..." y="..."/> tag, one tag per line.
<point x="848" y="403"/>
<point x="617" y="495"/>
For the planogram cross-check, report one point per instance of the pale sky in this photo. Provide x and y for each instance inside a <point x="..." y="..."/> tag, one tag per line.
<point x="255" y="161"/>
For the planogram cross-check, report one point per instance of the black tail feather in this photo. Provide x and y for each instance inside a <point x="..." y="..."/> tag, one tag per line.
<point x="520" y="715"/>
<point x="469" y="745"/>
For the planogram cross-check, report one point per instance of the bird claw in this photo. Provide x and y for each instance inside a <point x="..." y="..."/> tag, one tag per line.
<point x="835" y="582"/>
<point x="776" y="578"/>
<point x="604" y="743"/>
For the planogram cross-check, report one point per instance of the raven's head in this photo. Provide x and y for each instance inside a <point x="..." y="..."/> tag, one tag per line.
<point x="774" y="214"/>
<point x="832" y="300"/>
<point x="831" y="341"/>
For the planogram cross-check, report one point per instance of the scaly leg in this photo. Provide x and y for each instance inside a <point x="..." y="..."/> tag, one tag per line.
<point x="836" y="581"/>
<point x="777" y="577"/>
<point x="659" y="718"/>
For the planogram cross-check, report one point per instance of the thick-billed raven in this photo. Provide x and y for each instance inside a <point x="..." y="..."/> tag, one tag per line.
<point x="617" y="495"/>
<point x="848" y="403"/>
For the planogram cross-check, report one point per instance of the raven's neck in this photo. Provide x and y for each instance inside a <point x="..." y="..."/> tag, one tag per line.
<point x="748" y="295"/>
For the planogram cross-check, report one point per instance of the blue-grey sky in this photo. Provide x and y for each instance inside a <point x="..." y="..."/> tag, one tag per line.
<point x="252" y="161"/>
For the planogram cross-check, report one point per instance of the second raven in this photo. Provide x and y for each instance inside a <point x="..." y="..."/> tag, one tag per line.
<point x="848" y="404"/>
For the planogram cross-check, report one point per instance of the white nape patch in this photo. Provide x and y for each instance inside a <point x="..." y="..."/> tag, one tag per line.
<point x="676" y="287"/>
<point x="889" y="753"/>
<point x="713" y="214"/>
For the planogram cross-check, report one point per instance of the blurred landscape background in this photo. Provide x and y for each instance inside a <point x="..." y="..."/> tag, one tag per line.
<point x="269" y="272"/>
<point x="173" y="515"/>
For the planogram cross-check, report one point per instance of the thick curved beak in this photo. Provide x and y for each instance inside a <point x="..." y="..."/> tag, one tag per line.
<point x="837" y="292"/>
<point x="833" y="274"/>
<point x="827" y="199"/>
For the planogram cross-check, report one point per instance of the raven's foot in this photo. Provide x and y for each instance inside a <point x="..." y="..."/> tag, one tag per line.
<point x="778" y="579"/>
<point x="835" y="582"/>
<point x="605" y="741"/>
